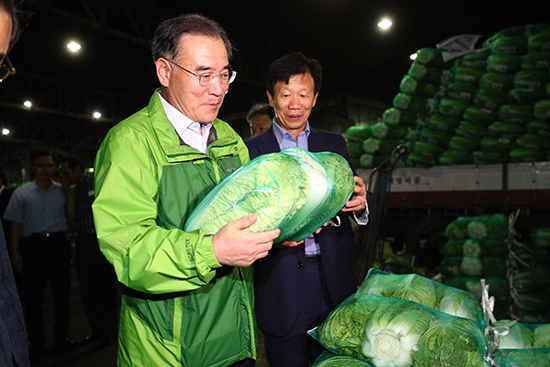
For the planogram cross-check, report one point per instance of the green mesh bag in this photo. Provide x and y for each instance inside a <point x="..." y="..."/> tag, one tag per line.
<point x="294" y="190"/>
<point x="516" y="114"/>
<point x="515" y="31"/>
<point x="498" y="81"/>
<point x="394" y="116"/>
<point x="509" y="45"/>
<point x="328" y="359"/>
<point x="457" y="228"/>
<point x="471" y="266"/>
<point x="476" y="248"/>
<point x="488" y="226"/>
<point x="480" y="116"/>
<point x="525" y="96"/>
<point x="379" y="146"/>
<point x="504" y="64"/>
<point x="462" y="143"/>
<point x="541" y="236"/>
<point x="514" y="335"/>
<point x="438" y="121"/>
<point x="425" y="73"/>
<point x="507" y="129"/>
<point x="532" y="29"/>
<point x="420" y="160"/>
<point x="490" y="98"/>
<point x="461" y="90"/>
<point x="358" y="133"/>
<point x="382" y="130"/>
<point x="479" y="157"/>
<point x="430" y="57"/>
<point x="539" y="127"/>
<point x="452" y="107"/>
<point x="388" y="331"/>
<point x="427" y="292"/>
<point x="500" y="145"/>
<point x="539" y="41"/>
<point x="476" y="60"/>
<point x="522" y="357"/>
<point x="410" y="85"/>
<point x="433" y="136"/>
<point x="541" y="109"/>
<point x="410" y="102"/>
<point x="533" y="79"/>
<point x="532" y="141"/>
<point x="535" y="60"/>
<point x="531" y="279"/>
<point x="355" y="148"/>
<point x="455" y="157"/>
<point x="470" y="130"/>
<point x="467" y="74"/>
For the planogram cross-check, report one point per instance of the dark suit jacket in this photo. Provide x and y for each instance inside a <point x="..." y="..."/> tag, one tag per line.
<point x="278" y="277"/>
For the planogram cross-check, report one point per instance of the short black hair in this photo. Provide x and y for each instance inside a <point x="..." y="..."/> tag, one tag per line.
<point x="12" y="7"/>
<point x="3" y="177"/>
<point x="296" y="63"/>
<point x="39" y="153"/>
<point x="73" y="162"/>
<point x="260" y="109"/>
<point x="167" y="35"/>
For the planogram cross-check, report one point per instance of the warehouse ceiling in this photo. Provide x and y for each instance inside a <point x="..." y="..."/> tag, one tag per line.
<point x="114" y="73"/>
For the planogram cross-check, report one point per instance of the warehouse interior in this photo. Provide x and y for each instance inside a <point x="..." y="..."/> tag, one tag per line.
<point x="453" y="145"/>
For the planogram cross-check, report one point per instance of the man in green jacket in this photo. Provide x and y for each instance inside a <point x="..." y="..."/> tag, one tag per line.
<point x="188" y="297"/>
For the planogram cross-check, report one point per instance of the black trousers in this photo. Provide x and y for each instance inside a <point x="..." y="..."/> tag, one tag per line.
<point x="97" y="285"/>
<point x="46" y="258"/>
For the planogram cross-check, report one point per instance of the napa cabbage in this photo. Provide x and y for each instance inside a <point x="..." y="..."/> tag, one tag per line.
<point x="293" y="190"/>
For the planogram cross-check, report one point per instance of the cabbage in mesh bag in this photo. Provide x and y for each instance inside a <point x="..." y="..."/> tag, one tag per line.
<point x="398" y="333"/>
<point x="419" y="289"/>
<point x="328" y="359"/>
<point x="523" y="357"/>
<point x="290" y="190"/>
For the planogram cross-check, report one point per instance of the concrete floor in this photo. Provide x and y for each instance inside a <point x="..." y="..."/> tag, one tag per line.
<point x="85" y="355"/>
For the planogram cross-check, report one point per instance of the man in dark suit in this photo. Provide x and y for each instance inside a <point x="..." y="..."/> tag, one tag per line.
<point x="298" y="284"/>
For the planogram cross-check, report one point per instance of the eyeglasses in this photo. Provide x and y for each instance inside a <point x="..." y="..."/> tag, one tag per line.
<point x="6" y="68"/>
<point x="208" y="78"/>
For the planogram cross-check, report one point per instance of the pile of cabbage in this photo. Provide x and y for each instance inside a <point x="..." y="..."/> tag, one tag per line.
<point x="294" y="190"/>
<point x="406" y="320"/>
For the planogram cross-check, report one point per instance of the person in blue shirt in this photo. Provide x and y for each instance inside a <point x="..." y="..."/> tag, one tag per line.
<point x="40" y="248"/>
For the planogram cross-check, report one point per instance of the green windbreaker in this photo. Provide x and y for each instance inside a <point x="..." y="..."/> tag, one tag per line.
<point x="181" y="307"/>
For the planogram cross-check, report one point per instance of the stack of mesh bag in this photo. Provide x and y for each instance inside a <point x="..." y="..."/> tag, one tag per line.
<point x="404" y="320"/>
<point x="530" y="278"/>
<point x="478" y="248"/>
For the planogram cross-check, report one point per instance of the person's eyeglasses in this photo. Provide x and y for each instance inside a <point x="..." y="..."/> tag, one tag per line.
<point x="208" y="78"/>
<point x="6" y="68"/>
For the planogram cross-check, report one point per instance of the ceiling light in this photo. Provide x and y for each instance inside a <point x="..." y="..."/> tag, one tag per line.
<point x="27" y="104"/>
<point x="97" y="115"/>
<point x="5" y="131"/>
<point x="73" y="46"/>
<point x="385" y="23"/>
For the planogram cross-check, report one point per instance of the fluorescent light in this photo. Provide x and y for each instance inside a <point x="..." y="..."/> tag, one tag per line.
<point x="385" y="23"/>
<point x="27" y="104"/>
<point x="5" y="131"/>
<point x="73" y="46"/>
<point x="97" y="115"/>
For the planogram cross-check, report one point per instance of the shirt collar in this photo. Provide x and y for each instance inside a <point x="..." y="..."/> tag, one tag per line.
<point x="286" y="139"/>
<point x="179" y="120"/>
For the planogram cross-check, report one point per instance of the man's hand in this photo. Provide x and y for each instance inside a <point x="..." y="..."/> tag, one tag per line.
<point x="235" y="247"/>
<point x="358" y="201"/>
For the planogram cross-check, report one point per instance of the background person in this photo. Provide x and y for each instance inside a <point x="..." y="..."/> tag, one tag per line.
<point x="297" y="286"/>
<point x="40" y="248"/>
<point x="96" y="276"/>
<point x="259" y="118"/>
<point x="13" y="338"/>
<point x="187" y="297"/>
